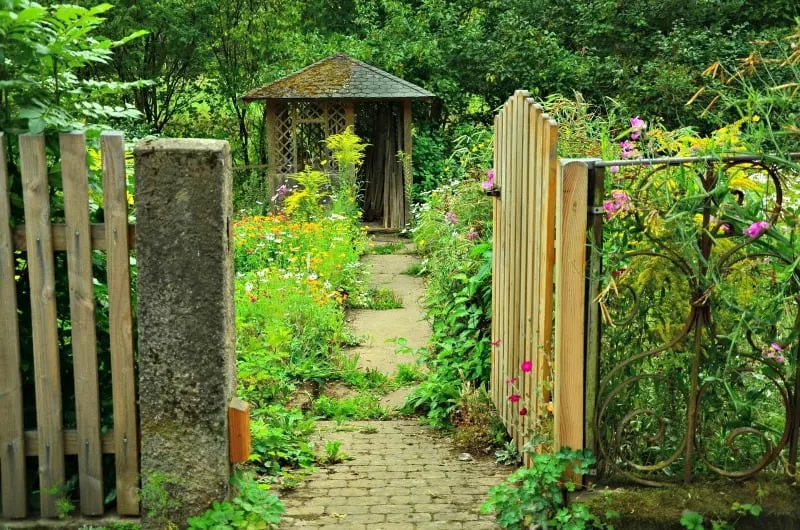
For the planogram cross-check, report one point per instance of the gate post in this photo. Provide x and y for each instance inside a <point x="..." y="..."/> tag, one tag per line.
<point x="186" y="325"/>
<point x="593" y="317"/>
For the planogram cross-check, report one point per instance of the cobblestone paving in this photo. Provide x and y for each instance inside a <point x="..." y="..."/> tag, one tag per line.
<point x="401" y="476"/>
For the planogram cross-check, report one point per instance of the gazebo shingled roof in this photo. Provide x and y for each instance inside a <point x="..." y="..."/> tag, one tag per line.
<point x="339" y="76"/>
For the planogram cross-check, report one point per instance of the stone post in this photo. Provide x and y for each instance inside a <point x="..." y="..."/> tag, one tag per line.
<point x="186" y="324"/>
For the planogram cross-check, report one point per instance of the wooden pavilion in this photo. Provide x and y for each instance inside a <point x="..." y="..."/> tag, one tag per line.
<point x="326" y="97"/>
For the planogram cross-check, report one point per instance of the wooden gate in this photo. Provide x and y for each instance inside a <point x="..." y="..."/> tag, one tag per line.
<point x="35" y="242"/>
<point x="540" y="219"/>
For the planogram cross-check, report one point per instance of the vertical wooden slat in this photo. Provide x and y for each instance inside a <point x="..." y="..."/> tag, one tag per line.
<point x="519" y="257"/>
<point x="12" y="443"/>
<point x="43" y="315"/>
<point x="522" y="219"/>
<point x="494" y="379"/>
<point x="506" y="345"/>
<point x="81" y="302"/>
<point x="571" y="218"/>
<point x="541" y="289"/>
<point x="533" y="249"/>
<point x="120" y="322"/>
<point x="512" y="337"/>
<point x="547" y="251"/>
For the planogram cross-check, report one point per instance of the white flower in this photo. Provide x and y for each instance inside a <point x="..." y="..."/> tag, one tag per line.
<point x="248" y="287"/>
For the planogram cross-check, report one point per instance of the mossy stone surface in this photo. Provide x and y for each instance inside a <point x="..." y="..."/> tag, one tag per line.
<point x="661" y="508"/>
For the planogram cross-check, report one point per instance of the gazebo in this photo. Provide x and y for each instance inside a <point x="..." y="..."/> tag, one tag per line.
<point x="322" y="99"/>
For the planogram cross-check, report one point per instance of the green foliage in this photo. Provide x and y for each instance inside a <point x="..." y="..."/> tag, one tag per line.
<point x="694" y="521"/>
<point x="279" y="439"/>
<point x="43" y="51"/>
<point x="408" y="374"/>
<point x="155" y="495"/>
<point x="533" y="496"/>
<point x="385" y="249"/>
<point x="253" y="508"/>
<point x="333" y="453"/>
<point x="364" y="406"/>
<point x="376" y="298"/>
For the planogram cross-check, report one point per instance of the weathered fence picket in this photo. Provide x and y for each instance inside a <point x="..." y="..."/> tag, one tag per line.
<point x="12" y="438"/>
<point x="38" y="239"/>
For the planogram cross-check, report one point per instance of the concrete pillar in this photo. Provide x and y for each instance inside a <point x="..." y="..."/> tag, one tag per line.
<point x="186" y="325"/>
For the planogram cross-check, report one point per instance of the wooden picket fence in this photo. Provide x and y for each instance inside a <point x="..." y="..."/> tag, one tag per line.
<point x="37" y="240"/>
<point x="538" y="280"/>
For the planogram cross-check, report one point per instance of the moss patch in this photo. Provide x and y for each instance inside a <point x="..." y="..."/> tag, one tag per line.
<point x="661" y="508"/>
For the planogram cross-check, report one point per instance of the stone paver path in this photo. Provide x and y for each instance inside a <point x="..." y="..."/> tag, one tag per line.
<point x="400" y="475"/>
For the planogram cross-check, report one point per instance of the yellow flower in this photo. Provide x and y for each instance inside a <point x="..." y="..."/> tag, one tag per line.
<point x="755" y="118"/>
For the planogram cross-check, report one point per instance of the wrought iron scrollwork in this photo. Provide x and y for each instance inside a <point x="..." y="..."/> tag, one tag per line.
<point x="683" y="366"/>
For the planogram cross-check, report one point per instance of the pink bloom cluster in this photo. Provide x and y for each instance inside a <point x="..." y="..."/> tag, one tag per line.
<point x="526" y="367"/>
<point x="451" y="218"/>
<point x="775" y="352"/>
<point x="627" y="148"/>
<point x="756" y="229"/>
<point x="619" y="202"/>
<point x="637" y="124"/>
<point x="488" y="184"/>
<point x="472" y="235"/>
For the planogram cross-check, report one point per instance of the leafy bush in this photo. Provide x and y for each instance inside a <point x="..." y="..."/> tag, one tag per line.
<point x="253" y="507"/>
<point x="452" y="231"/>
<point x="533" y="496"/>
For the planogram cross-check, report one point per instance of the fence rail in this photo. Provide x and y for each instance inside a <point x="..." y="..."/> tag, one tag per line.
<point x="36" y="241"/>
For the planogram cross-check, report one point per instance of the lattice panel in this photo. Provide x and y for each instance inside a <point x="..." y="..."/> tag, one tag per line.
<point x="311" y="148"/>
<point x="309" y="112"/>
<point x="282" y="141"/>
<point x="337" y="119"/>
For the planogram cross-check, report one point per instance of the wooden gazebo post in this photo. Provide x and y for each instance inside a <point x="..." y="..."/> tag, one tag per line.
<point x="408" y="179"/>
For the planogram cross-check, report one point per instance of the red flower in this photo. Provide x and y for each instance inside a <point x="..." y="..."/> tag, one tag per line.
<point x="511" y="380"/>
<point x="527" y="366"/>
<point x="513" y="398"/>
<point x="523" y="411"/>
<point x="495" y="342"/>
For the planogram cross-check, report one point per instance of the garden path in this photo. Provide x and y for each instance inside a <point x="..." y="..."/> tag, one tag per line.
<point x="400" y="475"/>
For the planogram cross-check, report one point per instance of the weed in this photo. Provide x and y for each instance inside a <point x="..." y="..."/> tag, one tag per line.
<point x="361" y="407"/>
<point x="376" y="298"/>
<point x="252" y="507"/>
<point x="408" y="374"/>
<point x="389" y="248"/>
<point x="415" y="269"/>
<point x="333" y="453"/>
<point x="509" y="455"/>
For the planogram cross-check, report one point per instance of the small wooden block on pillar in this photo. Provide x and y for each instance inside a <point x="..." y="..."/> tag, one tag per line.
<point x="239" y="431"/>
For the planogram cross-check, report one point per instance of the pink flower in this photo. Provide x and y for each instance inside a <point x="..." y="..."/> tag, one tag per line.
<point x="635" y="135"/>
<point x="495" y="342"/>
<point x="619" y="202"/>
<point x="527" y="366"/>
<point x="511" y="380"/>
<point x="523" y="411"/>
<point x="283" y="190"/>
<point x="472" y="235"/>
<point x="779" y="359"/>
<point x="513" y="398"/>
<point x="614" y="170"/>
<point x="637" y="123"/>
<point x="756" y="229"/>
<point x="451" y="218"/>
<point x="489" y="182"/>
<point x="724" y="228"/>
